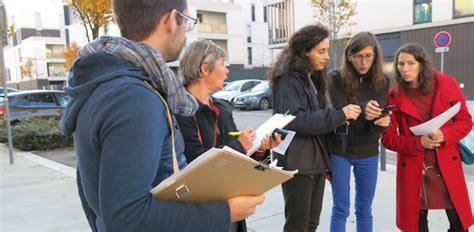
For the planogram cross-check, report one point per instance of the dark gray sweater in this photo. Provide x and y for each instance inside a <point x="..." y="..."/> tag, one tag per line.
<point x="363" y="137"/>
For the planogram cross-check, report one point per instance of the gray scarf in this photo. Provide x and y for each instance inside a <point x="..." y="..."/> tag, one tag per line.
<point x="150" y="60"/>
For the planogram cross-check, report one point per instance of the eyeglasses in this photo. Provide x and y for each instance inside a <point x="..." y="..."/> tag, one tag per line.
<point x="205" y="51"/>
<point x="359" y="58"/>
<point x="190" y="21"/>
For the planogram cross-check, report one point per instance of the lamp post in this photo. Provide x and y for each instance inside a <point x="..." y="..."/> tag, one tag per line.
<point x="3" y="43"/>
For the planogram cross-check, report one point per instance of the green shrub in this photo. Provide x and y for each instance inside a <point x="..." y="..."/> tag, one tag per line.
<point x="36" y="134"/>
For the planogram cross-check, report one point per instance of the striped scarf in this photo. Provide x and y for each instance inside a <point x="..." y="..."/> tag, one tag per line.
<point x="150" y="60"/>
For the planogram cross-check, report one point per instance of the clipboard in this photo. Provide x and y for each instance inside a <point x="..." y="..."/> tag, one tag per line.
<point x="276" y="121"/>
<point x="220" y="174"/>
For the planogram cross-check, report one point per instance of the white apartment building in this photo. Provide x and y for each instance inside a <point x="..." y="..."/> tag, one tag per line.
<point x="239" y="27"/>
<point x="38" y="40"/>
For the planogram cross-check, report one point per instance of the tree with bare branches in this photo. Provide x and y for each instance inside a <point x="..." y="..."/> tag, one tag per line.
<point x="94" y="14"/>
<point x="335" y="14"/>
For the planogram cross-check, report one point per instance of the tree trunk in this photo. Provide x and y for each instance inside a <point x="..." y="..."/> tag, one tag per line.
<point x="95" y="32"/>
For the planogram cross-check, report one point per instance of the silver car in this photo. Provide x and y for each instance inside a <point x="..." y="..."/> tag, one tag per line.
<point x="33" y="103"/>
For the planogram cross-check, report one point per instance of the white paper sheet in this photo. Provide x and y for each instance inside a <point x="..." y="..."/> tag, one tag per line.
<point x="281" y="149"/>
<point x="276" y="121"/>
<point x="434" y="124"/>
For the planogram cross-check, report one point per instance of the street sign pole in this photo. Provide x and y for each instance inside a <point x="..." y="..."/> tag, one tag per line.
<point x="442" y="62"/>
<point x="441" y="40"/>
<point x="3" y="42"/>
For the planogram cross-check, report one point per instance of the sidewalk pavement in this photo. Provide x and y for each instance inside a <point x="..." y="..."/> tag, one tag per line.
<point x="37" y="194"/>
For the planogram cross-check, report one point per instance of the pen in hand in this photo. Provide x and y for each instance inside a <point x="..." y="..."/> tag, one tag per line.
<point x="235" y="133"/>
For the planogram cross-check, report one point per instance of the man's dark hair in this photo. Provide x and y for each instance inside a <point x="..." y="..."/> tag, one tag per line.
<point x="137" y="19"/>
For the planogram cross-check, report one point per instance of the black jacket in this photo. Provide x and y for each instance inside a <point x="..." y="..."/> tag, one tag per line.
<point x="363" y="136"/>
<point x="199" y="133"/>
<point x="293" y="92"/>
<point x="205" y="121"/>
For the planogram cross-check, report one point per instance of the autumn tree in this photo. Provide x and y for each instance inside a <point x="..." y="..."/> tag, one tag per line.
<point x="27" y="69"/>
<point x="70" y="55"/>
<point x="11" y="30"/>
<point x="94" y="14"/>
<point x="335" y="14"/>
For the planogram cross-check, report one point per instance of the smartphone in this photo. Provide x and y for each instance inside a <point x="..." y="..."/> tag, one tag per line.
<point x="283" y="133"/>
<point x="386" y="110"/>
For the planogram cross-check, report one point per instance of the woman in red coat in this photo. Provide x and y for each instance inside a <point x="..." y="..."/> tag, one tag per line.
<point x="429" y="170"/>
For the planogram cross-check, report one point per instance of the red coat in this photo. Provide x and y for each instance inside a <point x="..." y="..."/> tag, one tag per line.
<point x="410" y="152"/>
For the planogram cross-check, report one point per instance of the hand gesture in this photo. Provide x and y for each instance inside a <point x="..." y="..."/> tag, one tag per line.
<point x="383" y="121"/>
<point x="351" y="111"/>
<point x="437" y="136"/>
<point x="429" y="143"/>
<point x="372" y="110"/>
<point x="246" y="137"/>
<point x="243" y="206"/>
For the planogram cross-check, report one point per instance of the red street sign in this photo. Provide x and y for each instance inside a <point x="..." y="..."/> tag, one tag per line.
<point x="442" y="39"/>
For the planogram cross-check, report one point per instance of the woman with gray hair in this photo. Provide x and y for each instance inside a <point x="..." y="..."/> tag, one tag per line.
<point x="204" y="71"/>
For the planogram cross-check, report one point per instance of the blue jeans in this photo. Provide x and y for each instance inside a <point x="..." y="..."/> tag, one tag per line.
<point x="365" y="173"/>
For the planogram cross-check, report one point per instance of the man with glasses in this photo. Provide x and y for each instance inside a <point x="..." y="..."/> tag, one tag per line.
<point x="122" y="129"/>
<point x="191" y="22"/>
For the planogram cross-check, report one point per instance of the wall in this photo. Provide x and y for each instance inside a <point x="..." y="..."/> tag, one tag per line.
<point x="458" y="62"/>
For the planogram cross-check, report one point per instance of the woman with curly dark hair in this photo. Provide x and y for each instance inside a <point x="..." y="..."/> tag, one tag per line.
<point x="298" y="84"/>
<point x="359" y="81"/>
<point x="429" y="170"/>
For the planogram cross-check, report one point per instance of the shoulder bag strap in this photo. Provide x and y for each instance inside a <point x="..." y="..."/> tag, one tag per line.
<point x="170" y="125"/>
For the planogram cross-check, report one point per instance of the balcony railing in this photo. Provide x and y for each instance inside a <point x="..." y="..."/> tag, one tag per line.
<point x="212" y="28"/>
<point x="54" y="55"/>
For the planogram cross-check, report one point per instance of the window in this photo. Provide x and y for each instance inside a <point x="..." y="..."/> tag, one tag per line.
<point x="62" y="99"/>
<point x="38" y="19"/>
<point x="39" y="99"/>
<point x="54" y="51"/>
<point x="199" y="17"/>
<point x="422" y="11"/>
<point x="463" y="8"/>
<point x="249" y="55"/>
<point x="246" y="87"/>
<point x="253" y="12"/>
<point x="249" y="34"/>
<point x="264" y="14"/>
<point x="56" y="70"/>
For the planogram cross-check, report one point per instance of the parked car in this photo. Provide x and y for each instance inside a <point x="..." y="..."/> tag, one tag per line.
<point x="9" y="90"/>
<point x="33" y="103"/>
<point x="236" y="88"/>
<point x="259" y="97"/>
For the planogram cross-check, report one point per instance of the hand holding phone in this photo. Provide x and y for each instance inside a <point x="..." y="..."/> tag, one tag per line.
<point x="280" y="131"/>
<point x="386" y="110"/>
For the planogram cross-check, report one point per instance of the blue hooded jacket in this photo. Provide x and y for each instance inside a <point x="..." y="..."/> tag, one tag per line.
<point x="123" y="146"/>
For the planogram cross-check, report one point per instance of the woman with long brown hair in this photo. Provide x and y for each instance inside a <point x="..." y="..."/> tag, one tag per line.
<point x="298" y="84"/>
<point x="429" y="170"/>
<point x="356" y="145"/>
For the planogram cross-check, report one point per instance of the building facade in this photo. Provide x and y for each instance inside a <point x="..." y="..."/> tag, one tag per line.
<point x="398" y="22"/>
<point x="395" y="23"/>
<point x="34" y="57"/>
